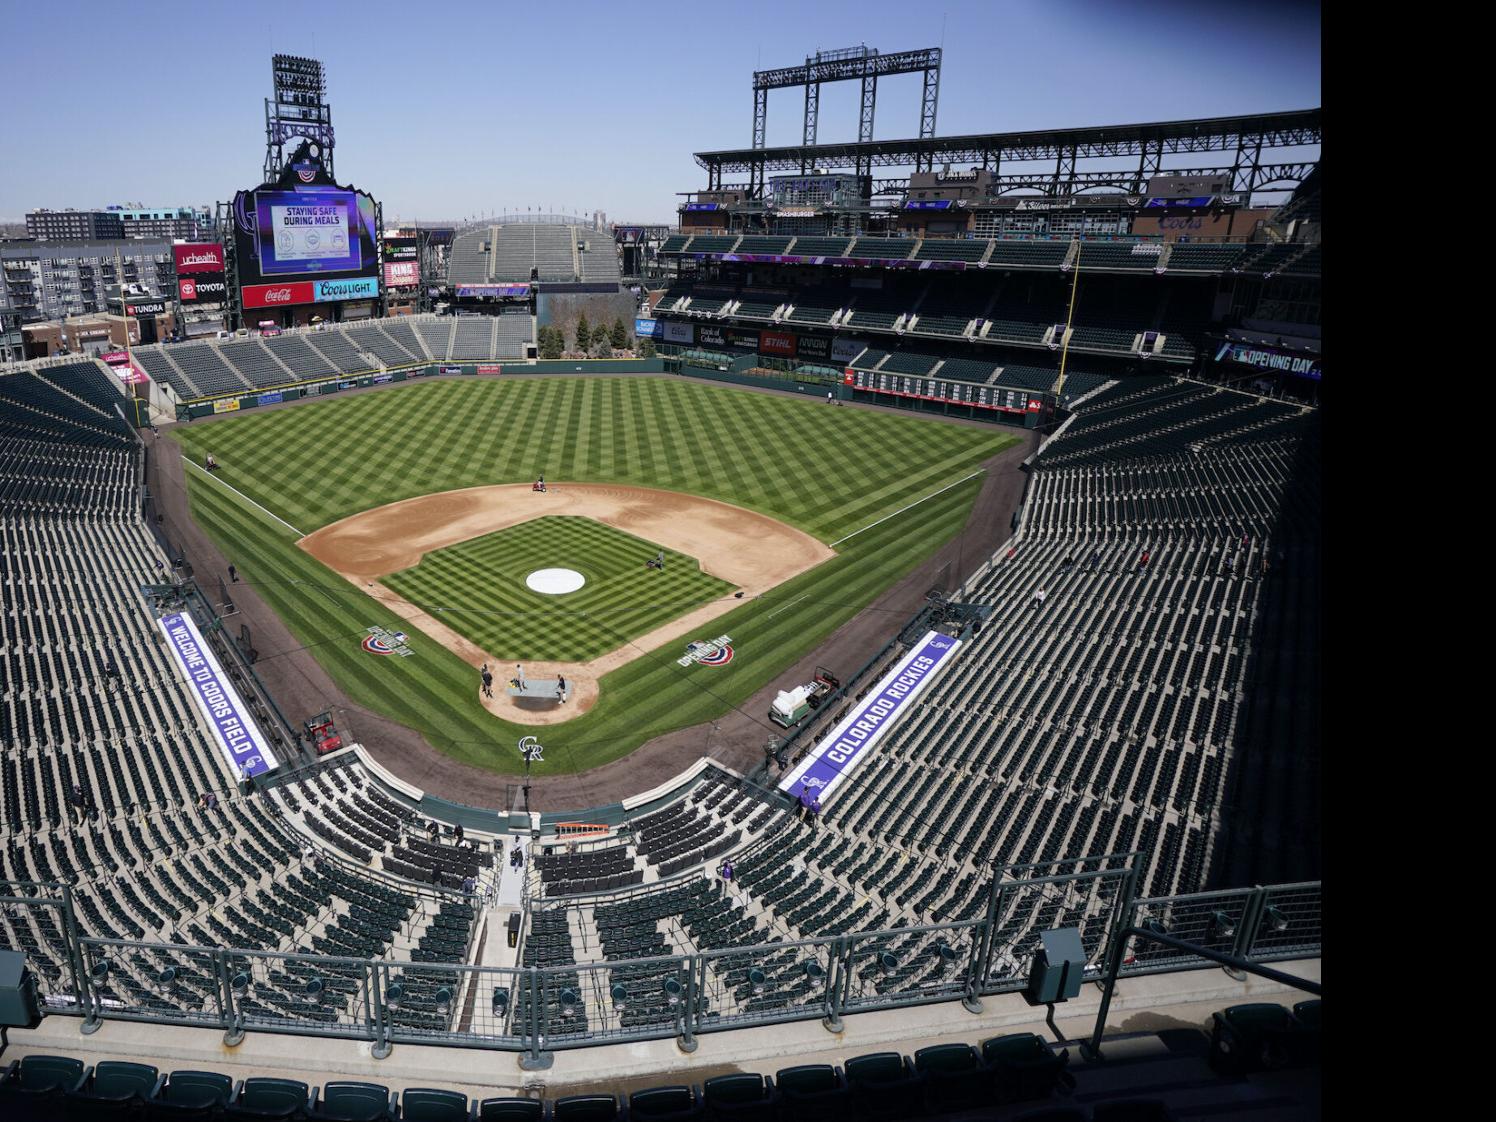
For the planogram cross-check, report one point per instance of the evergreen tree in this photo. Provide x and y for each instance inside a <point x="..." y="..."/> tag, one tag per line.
<point x="646" y="348"/>
<point x="602" y="346"/>
<point x="584" y="334"/>
<point x="620" y="337"/>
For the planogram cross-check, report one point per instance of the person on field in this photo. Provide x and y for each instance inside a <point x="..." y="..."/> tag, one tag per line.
<point x="487" y="681"/>
<point x="560" y="688"/>
<point x="519" y="677"/>
<point x="210" y="463"/>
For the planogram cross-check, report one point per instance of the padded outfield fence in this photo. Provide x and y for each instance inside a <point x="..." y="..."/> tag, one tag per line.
<point x="533" y="1011"/>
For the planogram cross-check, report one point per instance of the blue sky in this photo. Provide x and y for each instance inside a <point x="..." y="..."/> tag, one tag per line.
<point x="450" y="109"/>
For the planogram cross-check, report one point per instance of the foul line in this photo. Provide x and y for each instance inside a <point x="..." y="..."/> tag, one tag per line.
<point x="910" y="506"/>
<point x="243" y="496"/>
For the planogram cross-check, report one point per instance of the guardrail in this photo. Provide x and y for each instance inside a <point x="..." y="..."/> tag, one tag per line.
<point x="533" y="1011"/>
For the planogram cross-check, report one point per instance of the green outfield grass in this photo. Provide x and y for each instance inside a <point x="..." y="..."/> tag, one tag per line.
<point x="478" y="588"/>
<point x="828" y="471"/>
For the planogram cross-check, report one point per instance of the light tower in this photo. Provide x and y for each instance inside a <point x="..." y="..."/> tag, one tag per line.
<point x="297" y="108"/>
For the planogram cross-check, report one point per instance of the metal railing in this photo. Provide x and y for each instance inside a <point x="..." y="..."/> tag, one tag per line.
<point x="536" y="1010"/>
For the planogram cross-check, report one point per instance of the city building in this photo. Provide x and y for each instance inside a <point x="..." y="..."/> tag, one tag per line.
<point x="44" y="281"/>
<point x="119" y="222"/>
<point x="12" y="348"/>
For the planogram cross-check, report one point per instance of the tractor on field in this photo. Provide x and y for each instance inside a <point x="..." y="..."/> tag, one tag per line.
<point x="322" y="734"/>
<point x="791" y="707"/>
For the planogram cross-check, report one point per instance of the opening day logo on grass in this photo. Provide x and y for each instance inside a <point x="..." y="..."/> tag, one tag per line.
<point x="708" y="652"/>
<point x="382" y="642"/>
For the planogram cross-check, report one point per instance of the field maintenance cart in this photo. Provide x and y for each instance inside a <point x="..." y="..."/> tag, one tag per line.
<point x="323" y="734"/>
<point x="791" y="707"/>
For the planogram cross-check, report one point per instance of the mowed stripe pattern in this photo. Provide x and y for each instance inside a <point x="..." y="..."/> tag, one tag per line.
<point x="826" y="470"/>
<point x="477" y="588"/>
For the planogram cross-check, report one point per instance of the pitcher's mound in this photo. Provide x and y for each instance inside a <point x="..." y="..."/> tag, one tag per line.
<point x="554" y="582"/>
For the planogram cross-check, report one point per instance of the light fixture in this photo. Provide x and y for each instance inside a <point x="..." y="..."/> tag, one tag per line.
<point x="945" y="954"/>
<point x="167" y="978"/>
<point x="620" y="996"/>
<point x="1154" y="926"/>
<point x="672" y="990"/>
<point x="100" y="972"/>
<point x="315" y="989"/>
<point x="568" y="1003"/>
<point x="240" y="983"/>
<point x="443" y="1001"/>
<point x="756" y="980"/>
<point x="394" y="994"/>
<point x="1276" y="920"/>
<point x="888" y="963"/>
<point x="813" y="971"/>
<point x="500" y="1001"/>
<point x="1220" y="926"/>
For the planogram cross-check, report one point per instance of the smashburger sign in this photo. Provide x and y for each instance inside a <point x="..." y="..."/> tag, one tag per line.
<point x="277" y="295"/>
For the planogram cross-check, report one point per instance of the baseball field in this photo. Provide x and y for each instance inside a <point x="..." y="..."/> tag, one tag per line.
<point x="409" y="511"/>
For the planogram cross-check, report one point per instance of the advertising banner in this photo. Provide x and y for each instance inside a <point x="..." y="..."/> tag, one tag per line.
<point x="401" y="249"/>
<point x="832" y="761"/>
<point x="648" y="329"/>
<point x="776" y="343"/>
<point x="277" y="295"/>
<point x="490" y="368"/>
<point x="146" y="308"/>
<point x="233" y="728"/>
<point x="226" y="405"/>
<point x="272" y="397"/>
<point x="928" y="204"/>
<point x="359" y="288"/>
<point x="402" y="274"/>
<point x="198" y="257"/>
<point x="814" y="346"/>
<point x="678" y="333"/>
<point x="466" y="290"/>
<point x="202" y="288"/>
<point x="1267" y="358"/>
<point x="450" y="369"/>
<point x="845" y="350"/>
<point x="116" y="358"/>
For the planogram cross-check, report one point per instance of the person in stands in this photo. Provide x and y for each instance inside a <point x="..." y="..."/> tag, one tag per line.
<point x="457" y="834"/>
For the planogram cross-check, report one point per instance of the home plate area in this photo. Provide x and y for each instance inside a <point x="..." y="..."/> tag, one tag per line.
<point x="571" y="584"/>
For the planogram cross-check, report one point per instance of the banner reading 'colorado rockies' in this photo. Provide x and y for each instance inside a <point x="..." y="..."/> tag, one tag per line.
<point x="220" y="704"/>
<point x="832" y="761"/>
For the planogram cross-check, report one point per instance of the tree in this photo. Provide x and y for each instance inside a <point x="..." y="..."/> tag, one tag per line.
<point x="549" y="342"/>
<point x="620" y="337"/>
<point x="602" y="346"/>
<point x="646" y="348"/>
<point x="584" y="334"/>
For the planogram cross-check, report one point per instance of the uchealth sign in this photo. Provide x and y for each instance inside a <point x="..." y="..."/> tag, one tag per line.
<point x="201" y="288"/>
<point x="198" y="258"/>
<point x="277" y="295"/>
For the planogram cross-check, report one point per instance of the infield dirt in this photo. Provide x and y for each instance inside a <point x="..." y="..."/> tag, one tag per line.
<point x="751" y="551"/>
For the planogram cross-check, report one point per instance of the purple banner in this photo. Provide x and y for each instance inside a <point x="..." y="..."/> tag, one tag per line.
<point x="833" y="759"/>
<point x="226" y="714"/>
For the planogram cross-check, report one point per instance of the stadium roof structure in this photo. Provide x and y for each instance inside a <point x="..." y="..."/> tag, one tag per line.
<point x="1246" y="137"/>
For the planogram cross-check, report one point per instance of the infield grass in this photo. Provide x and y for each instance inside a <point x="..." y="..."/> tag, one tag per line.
<point x="477" y="588"/>
<point x="826" y="470"/>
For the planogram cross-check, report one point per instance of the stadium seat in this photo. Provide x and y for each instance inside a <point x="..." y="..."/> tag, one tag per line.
<point x="510" y="1110"/>
<point x="431" y="1104"/>
<point x="811" y="1093"/>
<point x="586" y="1108"/>
<point x="742" y="1095"/>
<point x="1132" y="1110"/>
<point x="1305" y="1039"/>
<point x="1024" y="1068"/>
<point x="113" y="1090"/>
<point x="659" y="1104"/>
<point x="884" y="1085"/>
<point x="262" y="1097"/>
<point x="190" y="1095"/>
<point x="354" y="1102"/>
<point x="955" y="1077"/>
<point x="45" y="1074"/>
<point x="1243" y="1035"/>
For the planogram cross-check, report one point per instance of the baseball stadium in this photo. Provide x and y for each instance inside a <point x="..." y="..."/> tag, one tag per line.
<point x="850" y="652"/>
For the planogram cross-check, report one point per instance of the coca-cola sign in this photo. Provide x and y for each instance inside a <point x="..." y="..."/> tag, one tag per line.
<point x="277" y="295"/>
<point x="198" y="258"/>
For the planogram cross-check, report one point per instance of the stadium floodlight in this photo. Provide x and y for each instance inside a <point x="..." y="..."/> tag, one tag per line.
<point x="1276" y="920"/>
<point x="1220" y="926"/>
<point x="394" y="995"/>
<point x="756" y="979"/>
<point x="443" y="1001"/>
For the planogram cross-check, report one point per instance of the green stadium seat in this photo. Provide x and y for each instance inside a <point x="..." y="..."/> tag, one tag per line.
<point x="955" y="1077"/>
<point x="585" y="1108"/>
<point x="261" y="1097"/>
<point x="659" y="1104"/>
<point x="190" y="1095"/>
<point x="348" y="1101"/>
<point x="115" y="1089"/>
<point x="1242" y="1036"/>
<point x="811" y="1093"/>
<point x="742" y="1095"/>
<point x="1024" y="1068"/>
<point x="884" y="1086"/>
<point x="431" y="1104"/>
<point x="46" y="1074"/>
<point x="510" y="1110"/>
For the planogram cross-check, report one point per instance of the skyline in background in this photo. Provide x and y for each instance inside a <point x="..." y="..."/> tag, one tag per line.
<point x="493" y="108"/>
